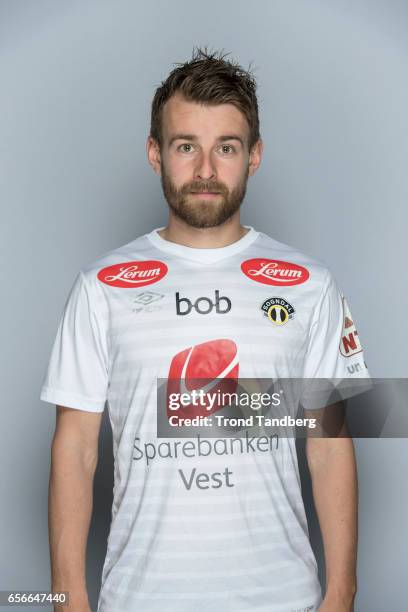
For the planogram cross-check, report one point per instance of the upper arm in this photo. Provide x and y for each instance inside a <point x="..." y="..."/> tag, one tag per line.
<point x="78" y="370"/>
<point x="330" y="421"/>
<point x="77" y="431"/>
<point x="330" y="434"/>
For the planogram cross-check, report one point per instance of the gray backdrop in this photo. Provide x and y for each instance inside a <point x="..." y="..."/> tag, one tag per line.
<point x="77" y="80"/>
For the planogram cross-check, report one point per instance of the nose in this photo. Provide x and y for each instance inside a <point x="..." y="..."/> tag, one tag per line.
<point x="205" y="169"/>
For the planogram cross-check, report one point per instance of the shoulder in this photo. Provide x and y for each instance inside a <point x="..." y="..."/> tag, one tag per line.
<point x="88" y="284"/>
<point x="130" y="251"/>
<point x="313" y="273"/>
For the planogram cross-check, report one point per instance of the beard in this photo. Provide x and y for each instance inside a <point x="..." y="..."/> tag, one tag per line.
<point x="201" y="213"/>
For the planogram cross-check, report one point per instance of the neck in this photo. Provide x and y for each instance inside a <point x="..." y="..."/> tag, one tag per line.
<point x="180" y="232"/>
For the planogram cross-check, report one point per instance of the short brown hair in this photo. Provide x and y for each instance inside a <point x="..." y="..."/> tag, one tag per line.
<point x="209" y="78"/>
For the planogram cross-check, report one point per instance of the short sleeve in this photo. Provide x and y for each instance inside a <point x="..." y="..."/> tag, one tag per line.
<point x="77" y="373"/>
<point x="335" y="359"/>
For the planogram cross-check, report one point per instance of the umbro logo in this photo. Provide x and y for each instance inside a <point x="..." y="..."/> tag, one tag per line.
<point x="145" y="301"/>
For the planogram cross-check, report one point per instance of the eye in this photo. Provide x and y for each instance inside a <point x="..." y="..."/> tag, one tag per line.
<point x="226" y="148"/>
<point x="186" y="147"/>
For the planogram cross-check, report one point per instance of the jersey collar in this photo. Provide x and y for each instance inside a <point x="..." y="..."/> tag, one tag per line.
<point x="202" y="255"/>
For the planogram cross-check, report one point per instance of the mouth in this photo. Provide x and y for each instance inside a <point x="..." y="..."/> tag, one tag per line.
<point x="205" y="194"/>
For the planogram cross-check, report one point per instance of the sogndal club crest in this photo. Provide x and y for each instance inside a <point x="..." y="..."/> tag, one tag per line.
<point x="277" y="310"/>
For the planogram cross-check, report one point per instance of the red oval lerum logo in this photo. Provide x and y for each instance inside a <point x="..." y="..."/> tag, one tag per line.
<point x="133" y="273"/>
<point x="274" y="272"/>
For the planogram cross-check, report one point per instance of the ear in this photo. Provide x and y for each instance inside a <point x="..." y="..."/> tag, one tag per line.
<point x="153" y="154"/>
<point x="255" y="157"/>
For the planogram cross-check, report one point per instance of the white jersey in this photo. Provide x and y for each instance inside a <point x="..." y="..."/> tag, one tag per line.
<point x="201" y="524"/>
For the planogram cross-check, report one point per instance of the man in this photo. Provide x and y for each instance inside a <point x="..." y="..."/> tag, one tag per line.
<point x="200" y="524"/>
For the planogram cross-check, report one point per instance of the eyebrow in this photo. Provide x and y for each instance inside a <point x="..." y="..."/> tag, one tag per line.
<point x="193" y="138"/>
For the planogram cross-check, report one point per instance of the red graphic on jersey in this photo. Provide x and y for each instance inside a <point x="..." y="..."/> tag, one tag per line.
<point x="210" y="367"/>
<point x="349" y="343"/>
<point x="274" y="272"/>
<point x="133" y="273"/>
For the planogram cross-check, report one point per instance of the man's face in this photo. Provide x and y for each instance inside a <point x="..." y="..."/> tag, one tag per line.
<point x="204" y="160"/>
